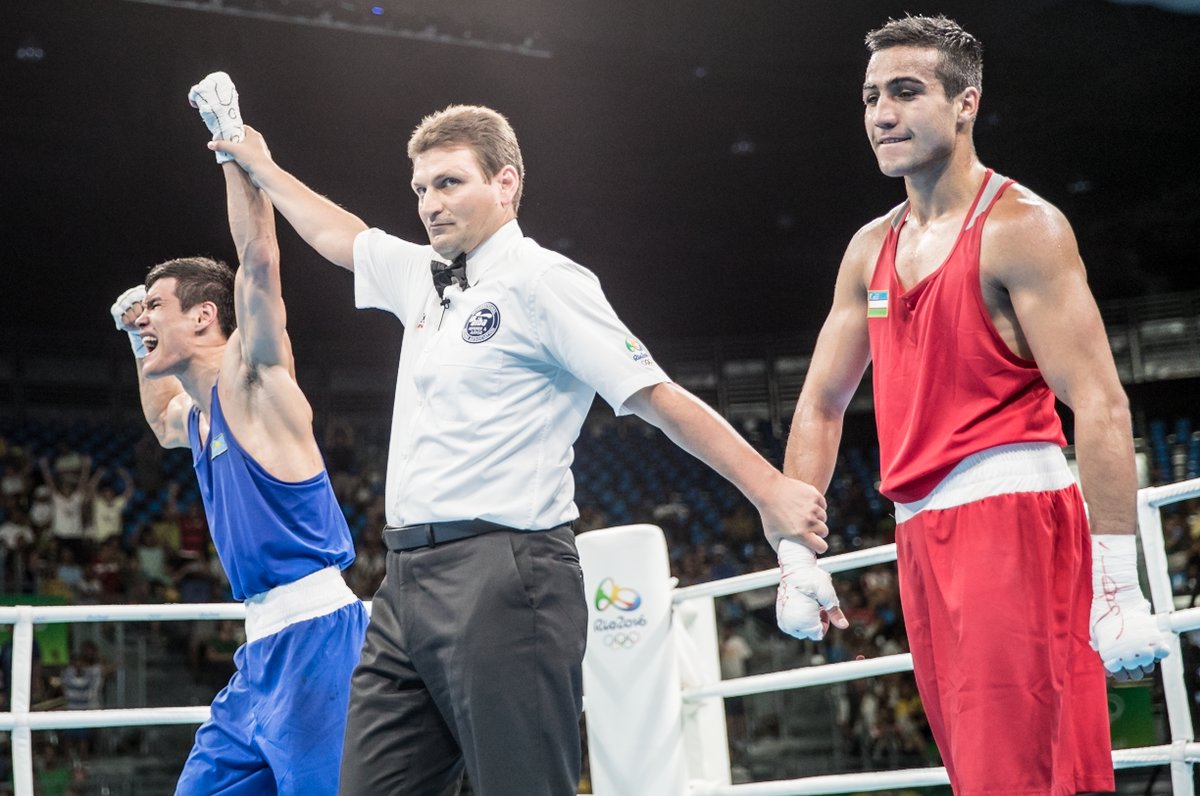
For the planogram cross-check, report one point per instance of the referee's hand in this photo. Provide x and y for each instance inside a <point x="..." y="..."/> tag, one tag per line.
<point x="794" y="510"/>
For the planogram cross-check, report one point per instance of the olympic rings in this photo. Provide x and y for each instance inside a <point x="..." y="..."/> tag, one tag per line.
<point x="621" y="641"/>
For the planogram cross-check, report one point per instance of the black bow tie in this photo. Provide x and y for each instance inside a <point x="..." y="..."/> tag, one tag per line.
<point x="446" y="275"/>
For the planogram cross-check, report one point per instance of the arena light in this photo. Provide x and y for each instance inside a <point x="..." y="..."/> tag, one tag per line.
<point x="1179" y="6"/>
<point x="366" y="17"/>
<point x="30" y="50"/>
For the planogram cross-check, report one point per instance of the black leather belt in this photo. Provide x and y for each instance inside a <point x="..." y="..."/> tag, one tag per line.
<point x="410" y="537"/>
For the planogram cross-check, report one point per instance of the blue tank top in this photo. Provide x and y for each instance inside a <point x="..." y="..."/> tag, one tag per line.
<point x="267" y="532"/>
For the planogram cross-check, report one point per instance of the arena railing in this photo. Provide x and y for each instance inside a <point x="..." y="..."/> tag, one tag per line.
<point x="655" y="716"/>
<point x="623" y="563"/>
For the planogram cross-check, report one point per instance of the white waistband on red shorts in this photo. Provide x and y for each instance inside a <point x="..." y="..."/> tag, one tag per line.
<point x="1002" y="470"/>
<point x="320" y="593"/>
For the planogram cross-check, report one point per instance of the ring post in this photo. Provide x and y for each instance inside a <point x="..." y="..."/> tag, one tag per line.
<point x="630" y="673"/>
<point x="705" y="739"/>
<point x="1175" y="691"/>
<point x="22" y="684"/>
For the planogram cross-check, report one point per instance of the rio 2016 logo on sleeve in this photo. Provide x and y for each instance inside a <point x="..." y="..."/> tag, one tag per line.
<point x="638" y="351"/>
<point x="483" y="323"/>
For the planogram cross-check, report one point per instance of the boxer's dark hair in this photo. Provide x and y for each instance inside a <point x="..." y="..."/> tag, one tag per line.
<point x="200" y="279"/>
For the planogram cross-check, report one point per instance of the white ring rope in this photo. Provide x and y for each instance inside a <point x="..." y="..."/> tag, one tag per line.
<point x="57" y="614"/>
<point x="916" y="777"/>
<point x="1182" y="754"/>
<point x="833" y="783"/>
<point x="1156" y="755"/>
<point x="1183" y="620"/>
<point x="802" y="678"/>
<point x="1158" y="496"/>
<point x="882" y="554"/>
<point x="113" y="717"/>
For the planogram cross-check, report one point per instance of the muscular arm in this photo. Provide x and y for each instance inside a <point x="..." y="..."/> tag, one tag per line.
<point x="839" y="361"/>
<point x="262" y="402"/>
<point x="1032" y="255"/>
<point x="165" y="406"/>
<point x="789" y="508"/>
<point x="326" y="227"/>
<point x="258" y="296"/>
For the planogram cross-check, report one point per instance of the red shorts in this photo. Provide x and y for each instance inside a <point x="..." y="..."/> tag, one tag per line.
<point x="996" y="595"/>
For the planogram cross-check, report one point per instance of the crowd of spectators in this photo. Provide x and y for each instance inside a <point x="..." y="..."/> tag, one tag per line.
<point x="126" y="526"/>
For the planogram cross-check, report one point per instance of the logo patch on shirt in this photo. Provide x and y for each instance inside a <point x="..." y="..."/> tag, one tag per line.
<point x="217" y="447"/>
<point x="877" y="303"/>
<point x="638" y="351"/>
<point x="483" y="323"/>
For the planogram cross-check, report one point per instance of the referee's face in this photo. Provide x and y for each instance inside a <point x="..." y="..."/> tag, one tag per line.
<point x="459" y="206"/>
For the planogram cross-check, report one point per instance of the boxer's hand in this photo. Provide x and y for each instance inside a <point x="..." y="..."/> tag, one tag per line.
<point x="217" y="100"/>
<point x="806" y="602"/>
<point x="125" y="311"/>
<point x="1123" y="629"/>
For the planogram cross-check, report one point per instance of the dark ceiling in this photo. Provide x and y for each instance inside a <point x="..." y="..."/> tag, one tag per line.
<point x="705" y="158"/>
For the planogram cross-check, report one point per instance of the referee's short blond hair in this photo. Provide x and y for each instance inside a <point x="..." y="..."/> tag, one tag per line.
<point x="482" y="129"/>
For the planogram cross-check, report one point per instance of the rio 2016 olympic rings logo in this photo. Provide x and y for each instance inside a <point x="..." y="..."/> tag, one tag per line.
<point x="623" y="598"/>
<point x="621" y="641"/>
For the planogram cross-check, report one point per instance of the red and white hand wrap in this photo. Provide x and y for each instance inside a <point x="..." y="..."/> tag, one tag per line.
<point x="804" y="590"/>
<point x="1123" y="629"/>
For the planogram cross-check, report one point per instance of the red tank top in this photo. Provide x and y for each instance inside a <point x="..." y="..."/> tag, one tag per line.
<point x="946" y="384"/>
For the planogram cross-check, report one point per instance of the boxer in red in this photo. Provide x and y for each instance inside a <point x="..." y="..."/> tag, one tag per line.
<point x="971" y="300"/>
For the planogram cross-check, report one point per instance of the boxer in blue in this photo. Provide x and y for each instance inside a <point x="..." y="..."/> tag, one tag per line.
<point x="215" y="372"/>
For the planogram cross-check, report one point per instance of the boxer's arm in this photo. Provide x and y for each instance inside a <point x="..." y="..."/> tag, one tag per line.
<point x="838" y="363"/>
<point x="1033" y="257"/>
<point x="325" y="226"/>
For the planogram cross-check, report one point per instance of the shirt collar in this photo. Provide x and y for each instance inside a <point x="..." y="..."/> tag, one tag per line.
<point x="492" y="250"/>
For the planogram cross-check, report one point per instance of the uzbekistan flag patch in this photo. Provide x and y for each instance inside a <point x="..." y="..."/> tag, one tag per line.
<point x="877" y="303"/>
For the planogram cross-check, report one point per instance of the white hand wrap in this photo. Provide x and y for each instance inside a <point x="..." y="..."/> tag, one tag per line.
<point x="217" y="100"/>
<point x="121" y="306"/>
<point x="804" y="589"/>
<point x="1123" y="629"/>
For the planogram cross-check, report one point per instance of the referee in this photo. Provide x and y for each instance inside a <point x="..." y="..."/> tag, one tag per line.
<point x="473" y="655"/>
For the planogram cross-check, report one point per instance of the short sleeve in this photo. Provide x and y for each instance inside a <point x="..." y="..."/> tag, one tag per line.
<point x="390" y="274"/>
<point x="581" y="331"/>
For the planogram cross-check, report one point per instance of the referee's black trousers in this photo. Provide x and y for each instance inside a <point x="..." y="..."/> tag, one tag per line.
<point x="473" y="659"/>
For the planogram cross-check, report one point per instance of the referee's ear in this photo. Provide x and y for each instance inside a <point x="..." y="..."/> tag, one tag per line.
<point x="509" y="183"/>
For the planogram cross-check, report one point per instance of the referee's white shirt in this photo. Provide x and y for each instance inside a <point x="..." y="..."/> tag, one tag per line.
<point x="491" y="396"/>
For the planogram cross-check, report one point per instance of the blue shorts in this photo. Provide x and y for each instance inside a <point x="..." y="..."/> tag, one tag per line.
<point x="277" y="728"/>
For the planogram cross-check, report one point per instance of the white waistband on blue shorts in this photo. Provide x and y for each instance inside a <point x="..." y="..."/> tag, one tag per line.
<point x="1002" y="470"/>
<point x="320" y="593"/>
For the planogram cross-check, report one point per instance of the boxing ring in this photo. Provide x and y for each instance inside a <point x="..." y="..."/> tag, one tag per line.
<point x="653" y="693"/>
